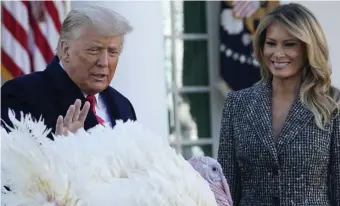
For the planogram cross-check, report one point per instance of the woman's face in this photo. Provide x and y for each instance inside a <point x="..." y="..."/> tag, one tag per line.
<point x="283" y="53"/>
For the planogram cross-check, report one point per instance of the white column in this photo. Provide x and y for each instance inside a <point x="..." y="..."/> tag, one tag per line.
<point x="140" y="75"/>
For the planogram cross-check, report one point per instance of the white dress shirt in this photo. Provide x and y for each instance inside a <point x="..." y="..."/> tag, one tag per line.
<point x="101" y="109"/>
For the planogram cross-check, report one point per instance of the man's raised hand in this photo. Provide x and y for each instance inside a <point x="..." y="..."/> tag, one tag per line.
<point x="73" y="120"/>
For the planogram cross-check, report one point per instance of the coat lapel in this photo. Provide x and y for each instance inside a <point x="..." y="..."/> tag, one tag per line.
<point x="297" y="119"/>
<point x="66" y="91"/>
<point x="259" y="116"/>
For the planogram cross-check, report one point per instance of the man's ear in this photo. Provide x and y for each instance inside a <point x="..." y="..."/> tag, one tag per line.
<point x="65" y="50"/>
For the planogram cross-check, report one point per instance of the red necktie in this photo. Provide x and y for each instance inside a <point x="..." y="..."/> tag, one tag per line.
<point x="92" y="100"/>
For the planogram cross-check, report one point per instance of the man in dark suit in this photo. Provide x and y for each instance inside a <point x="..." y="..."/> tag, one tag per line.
<point x="73" y="91"/>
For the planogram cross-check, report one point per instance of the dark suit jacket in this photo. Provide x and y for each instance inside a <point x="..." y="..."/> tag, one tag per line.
<point x="51" y="92"/>
<point x="302" y="167"/>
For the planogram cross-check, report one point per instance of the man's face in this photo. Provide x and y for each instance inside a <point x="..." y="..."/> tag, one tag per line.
<point x="91" y="60"/>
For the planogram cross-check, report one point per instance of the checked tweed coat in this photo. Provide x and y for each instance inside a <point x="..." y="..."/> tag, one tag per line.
<point x="301" y="167"/>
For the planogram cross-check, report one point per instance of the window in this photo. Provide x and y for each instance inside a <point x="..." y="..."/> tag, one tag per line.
<point x="189" y="78"/>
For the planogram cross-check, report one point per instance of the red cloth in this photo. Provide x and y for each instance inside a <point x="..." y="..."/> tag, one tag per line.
<point x="92" y="100"/>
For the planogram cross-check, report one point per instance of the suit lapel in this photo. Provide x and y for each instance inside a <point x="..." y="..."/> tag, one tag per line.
<point x="297" y="119"/>
<point x="259" y="116"/>
<point x="66" y="91"/>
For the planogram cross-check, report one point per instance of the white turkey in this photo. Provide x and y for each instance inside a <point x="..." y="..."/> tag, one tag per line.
<point x="126" y="166"/>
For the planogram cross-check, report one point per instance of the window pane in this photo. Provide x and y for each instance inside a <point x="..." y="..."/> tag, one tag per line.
<point x="191" y="63"/>
<point x="194" y="115"/>
<point x="196" y="150"/>
<point x="194" y="17"/>
<point x="195" y="63"/>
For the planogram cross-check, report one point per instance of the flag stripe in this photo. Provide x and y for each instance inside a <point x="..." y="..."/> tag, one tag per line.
<point x="15" y="28"/>
<point x="62" y="9"/>
<point x="52" y="11"/>
<point x="38" y="59"/>
<point x="244" y="8"/>
<point x="8" y="63"/>
<point x="40" y="40"/>
<point x="18" y="11"/>
<point x="49" y="32"/>
<point x="15" y="50"/>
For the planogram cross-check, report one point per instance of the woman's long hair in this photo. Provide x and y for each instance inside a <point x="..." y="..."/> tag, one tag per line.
<point x="316" y="92"/>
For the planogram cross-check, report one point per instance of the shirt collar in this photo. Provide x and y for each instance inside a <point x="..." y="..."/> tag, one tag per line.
<point x="96" y="96"/>
<point x="85" y="95"/>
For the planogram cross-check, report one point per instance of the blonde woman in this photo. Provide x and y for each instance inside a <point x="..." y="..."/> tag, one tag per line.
<point x="280" y="139"/>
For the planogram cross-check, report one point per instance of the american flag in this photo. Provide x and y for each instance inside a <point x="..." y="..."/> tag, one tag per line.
<point x="29" y="35"/>
<point x="238" y="66"/>
<point x="245" y="8"/>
